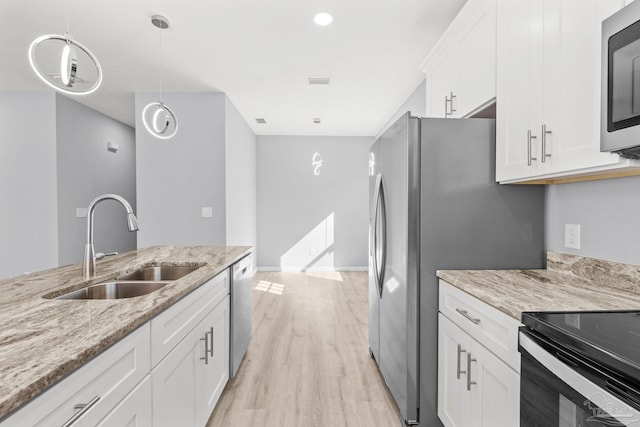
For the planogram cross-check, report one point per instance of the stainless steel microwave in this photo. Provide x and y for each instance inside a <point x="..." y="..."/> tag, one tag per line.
<point x="620" y="108"/>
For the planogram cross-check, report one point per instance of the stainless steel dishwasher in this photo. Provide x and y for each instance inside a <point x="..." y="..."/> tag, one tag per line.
<point x="241" y="287"/>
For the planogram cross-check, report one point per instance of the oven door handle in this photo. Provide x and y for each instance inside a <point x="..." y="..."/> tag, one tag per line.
<point x="573" y="379"/>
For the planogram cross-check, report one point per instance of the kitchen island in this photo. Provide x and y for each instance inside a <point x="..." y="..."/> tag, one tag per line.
<point x="43" y="340"/>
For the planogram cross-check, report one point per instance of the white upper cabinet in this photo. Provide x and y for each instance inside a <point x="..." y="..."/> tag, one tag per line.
<point x="461" y="69"/>
<point x="548" y="90"/>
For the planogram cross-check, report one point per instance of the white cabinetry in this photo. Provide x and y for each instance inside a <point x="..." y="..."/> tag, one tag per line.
<point x="215" y="369"/>
<point x="186" y="350"/>
<point x="134" y="410"/>
<point x="548" y="89"/>
<point x="475" y="386"/>
<point x="461" y="69"/>
<point x="187" y="383"/>
<point x="94" y="390"/>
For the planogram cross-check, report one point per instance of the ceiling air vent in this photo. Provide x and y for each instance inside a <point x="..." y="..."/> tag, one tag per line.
<point x="319" y="80"/>
<point x="261" y="121"/>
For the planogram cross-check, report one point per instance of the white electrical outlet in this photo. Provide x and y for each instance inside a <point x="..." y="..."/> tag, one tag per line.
<point x="572" y="236"/>
<point x="207" y="212"/>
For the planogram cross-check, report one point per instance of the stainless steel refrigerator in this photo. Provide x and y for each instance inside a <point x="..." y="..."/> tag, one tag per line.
<point x="434" y="204"/>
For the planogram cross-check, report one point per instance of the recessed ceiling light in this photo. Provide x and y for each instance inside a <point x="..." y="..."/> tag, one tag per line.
<point x="322" y="19"/>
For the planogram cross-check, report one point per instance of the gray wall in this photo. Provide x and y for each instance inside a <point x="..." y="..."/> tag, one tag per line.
<point x="86" y="170"/>
<point x="416" y="103"/>
<point x="175" y="178"/>
<point x="307" y="221"/>
<point x="608" y="212"/>
<point x="240" y="179"/>
<point x="28" y="213"/>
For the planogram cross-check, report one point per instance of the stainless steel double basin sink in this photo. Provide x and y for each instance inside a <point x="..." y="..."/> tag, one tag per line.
<point x="134" y="284"/>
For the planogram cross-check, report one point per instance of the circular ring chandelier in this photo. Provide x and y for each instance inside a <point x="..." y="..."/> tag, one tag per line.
<point x="65" y="65"/>
<point x="159" y="120"/>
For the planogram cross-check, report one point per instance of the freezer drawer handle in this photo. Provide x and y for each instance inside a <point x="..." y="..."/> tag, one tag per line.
<point x="82" y="408"/>
<point x="465" y="313"/>
<point x="469" y="382"/>
<point x="460" y="351"/>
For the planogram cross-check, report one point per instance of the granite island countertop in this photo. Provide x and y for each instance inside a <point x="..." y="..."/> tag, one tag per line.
<point x="568" y="283"/>
<point x="42" y="340"/>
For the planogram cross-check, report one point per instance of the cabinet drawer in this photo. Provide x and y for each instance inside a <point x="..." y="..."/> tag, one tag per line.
<point x="134" y="410"/>
<point x="492" y="328"/>
<point x="104" y="380"/>
<point x="175" y="323"/>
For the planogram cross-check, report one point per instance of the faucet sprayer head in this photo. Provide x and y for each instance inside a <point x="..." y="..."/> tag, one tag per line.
<point x="132" y="222"/>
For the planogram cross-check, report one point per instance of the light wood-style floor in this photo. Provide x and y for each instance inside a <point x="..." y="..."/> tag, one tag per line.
<point x="308" y="363"/>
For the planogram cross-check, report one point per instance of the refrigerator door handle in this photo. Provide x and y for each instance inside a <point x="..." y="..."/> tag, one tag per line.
<point x="379" y="236"/>
<point x="383" y="231"/>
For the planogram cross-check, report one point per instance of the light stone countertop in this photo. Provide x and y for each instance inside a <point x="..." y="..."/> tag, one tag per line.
<point x="569" y="283"/>
<point x="43" y="340"/>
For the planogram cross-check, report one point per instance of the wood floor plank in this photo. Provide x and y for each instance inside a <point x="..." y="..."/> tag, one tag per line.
<point x="308" y="362"/>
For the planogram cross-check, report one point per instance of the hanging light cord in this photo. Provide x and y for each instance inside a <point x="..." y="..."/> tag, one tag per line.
<point x="161" y="66"/>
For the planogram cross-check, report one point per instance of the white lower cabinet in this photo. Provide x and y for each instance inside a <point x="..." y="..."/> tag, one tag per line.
<point x="94" y="390"/>
<point x="134" y="410"/>
<point x="215" y="368"/>
<point x="475" y="387"/>
<point x="186" y="385"/>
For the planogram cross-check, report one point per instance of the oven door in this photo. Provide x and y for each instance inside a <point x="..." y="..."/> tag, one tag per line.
<point x="554" y="394"/>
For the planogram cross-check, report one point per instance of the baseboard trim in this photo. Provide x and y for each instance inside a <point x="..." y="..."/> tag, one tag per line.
<point x="312" y="269"/>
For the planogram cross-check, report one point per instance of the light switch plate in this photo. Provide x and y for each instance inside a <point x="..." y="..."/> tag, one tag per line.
<point x="81" y="212"/>
<point x="207" y="212"/>
<point x="572" y="236"/>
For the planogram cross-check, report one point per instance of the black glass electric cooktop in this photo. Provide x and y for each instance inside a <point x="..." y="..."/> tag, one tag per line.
<point x="611" y="338"/>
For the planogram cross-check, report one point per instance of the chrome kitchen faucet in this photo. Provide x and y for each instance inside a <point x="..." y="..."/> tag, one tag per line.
<point x="89" y="261"/>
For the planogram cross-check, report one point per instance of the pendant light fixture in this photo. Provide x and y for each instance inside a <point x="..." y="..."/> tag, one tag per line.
<point x="65" y="64"/>
<point x="158" y="118"/>
<point x="316" y="160"/>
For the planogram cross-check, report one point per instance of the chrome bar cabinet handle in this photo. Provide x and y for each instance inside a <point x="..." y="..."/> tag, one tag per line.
<point x="211" y="342"/>
<point x="460" y="351"/>
<point x="446" y="109"/>
<point x="82" y="409"/>
<point x="530" y="157"/>
<point x="451" y="109"/>
<point x="469" y="382"/>
<point x="545" y="132"/>
<point x="465" y="313"/>
<point x="206" y="348"/>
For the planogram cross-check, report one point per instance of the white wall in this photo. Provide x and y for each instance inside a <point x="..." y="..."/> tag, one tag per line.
<point x="416" y="103"/>
<point x="28" y="212"/>
<point x="307" y="221"/>
<point x="608" y="212"/>
<point x="240" y="154"/>
<point x="175" y="178"/>
<point x="86" y="170"/>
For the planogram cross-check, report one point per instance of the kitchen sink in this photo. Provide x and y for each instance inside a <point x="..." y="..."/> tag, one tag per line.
<point x="159" y="273"/>
<point x="115" y="290"/>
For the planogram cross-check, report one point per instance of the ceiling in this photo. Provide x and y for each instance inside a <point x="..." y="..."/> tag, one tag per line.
<point x="259" y="52"/>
